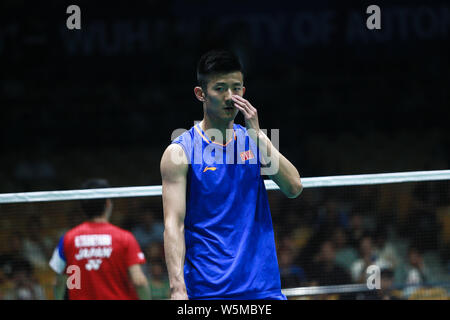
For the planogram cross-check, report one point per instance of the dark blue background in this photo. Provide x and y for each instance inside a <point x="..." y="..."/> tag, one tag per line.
<point x="105" y="99"/>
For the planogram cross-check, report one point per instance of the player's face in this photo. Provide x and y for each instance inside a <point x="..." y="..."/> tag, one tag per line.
<point x="218" y="102"/>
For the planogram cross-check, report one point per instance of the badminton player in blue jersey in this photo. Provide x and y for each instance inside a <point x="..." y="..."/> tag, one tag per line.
<point x="218" y="238"/>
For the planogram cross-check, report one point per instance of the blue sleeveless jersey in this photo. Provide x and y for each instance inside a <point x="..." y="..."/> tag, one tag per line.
<point x="230" y="247"/>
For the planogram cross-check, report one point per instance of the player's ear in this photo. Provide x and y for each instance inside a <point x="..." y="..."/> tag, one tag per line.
<point x="243" y="90"/>
<point x="199" y="93"/>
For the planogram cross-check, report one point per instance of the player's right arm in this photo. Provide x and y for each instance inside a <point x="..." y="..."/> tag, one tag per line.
<point x="174" y="168"/>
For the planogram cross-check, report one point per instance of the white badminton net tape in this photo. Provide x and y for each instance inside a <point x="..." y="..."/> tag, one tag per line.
<point x="148" y="191"/>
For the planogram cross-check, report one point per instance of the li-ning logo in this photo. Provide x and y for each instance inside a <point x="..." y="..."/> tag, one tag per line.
<point x="247" y="155"/>
<point x="210" y="168"/>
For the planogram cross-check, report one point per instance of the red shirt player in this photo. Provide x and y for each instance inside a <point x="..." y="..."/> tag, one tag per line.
<point x="105" y="258"/>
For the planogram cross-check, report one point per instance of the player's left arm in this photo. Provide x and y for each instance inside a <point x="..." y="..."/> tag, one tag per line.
<point x="58" y="264"/>
<point x="280" y="169"/>
<point x="59" y="286"/>
<point x="140" y="282"/>
<point x="134" y="259"/>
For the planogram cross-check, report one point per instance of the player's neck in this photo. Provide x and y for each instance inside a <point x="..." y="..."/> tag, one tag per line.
<point x="101" y="219"/>
<point x="226" y="128"/>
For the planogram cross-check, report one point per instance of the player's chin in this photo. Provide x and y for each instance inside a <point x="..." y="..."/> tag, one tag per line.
<point x="230" y="114"/>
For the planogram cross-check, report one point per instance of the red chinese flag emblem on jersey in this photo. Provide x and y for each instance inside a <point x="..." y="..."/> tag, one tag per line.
<point x="247" y="155"/>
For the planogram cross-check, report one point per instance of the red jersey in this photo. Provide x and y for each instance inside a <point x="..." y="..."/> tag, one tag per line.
<point x="103" y="253"/>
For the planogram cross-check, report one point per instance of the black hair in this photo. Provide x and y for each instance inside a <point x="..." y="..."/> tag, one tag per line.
<point x="94" y="207"/>
<point x="216" y="62"/>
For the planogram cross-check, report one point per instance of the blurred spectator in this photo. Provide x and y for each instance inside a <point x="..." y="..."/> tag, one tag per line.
<point x="24" y="285"/>
<point x="291" y="275"/>
<point x="386" y="291"/>
<point x="156" y="271"/>
<point x="422" y="221"/>
<point x="418" y="272"/>
<point x="294" y="228"/>
<point x="5" y="283"/>
<point x="153" y="252"/>
<point x="443" y="214"/>
<point x="418" y="275"/>
<point x="387" y="251"/>
<point x="422" y="228"/>
<point x="15" y="253"/>
<point x="37" y="247"/>
<point x="356" y="229"/>
<point x="368" y="255"/>
<point x="159" y="281"/>
<point x="147" y="229"/>
<point x="324" y="271"/>
<point x="345" y="254"/>
<point x="330" y="216"/>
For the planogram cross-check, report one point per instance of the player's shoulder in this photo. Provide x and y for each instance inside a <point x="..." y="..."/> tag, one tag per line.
<point x="177" y="155"/>
<point x="94" y="228"/>
<point x="125" y="237"/>
<point x="75" y="230"/>
<point x="239" y="129"/>
<point x="69" y="236"/>
<point x="183" y="141"/>
<point x="173" y="148"/>
<point x="113" y="229"/>
<point x="183" y="135"/>
<point x="118" y="234"/>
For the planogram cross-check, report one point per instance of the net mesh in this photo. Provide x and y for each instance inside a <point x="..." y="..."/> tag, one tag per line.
<point x="326" y="240"/>
<point x="331" y="236"/>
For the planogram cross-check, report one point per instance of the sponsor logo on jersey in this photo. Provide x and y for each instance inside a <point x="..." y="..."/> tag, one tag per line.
<point x="93" y="264"/>
<point x="93" y="240"/>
